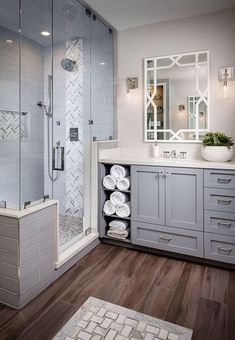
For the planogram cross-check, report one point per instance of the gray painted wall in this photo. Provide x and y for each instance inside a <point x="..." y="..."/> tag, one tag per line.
<point x="214" y="32"/>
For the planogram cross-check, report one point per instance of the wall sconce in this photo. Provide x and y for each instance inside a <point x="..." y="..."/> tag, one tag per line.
<point x="181" y="109"/>
<point x="131" y="84"/>
<point x="225" y="75"/>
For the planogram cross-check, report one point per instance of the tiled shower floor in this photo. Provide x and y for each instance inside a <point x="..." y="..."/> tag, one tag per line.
<point x="70" y="228"/>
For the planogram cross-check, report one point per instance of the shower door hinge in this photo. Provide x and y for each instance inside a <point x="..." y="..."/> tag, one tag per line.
<point x="3" y="204"/>
<point x="87" y="231"/>
<point x="26" y="204"/>
<point x="90" y="122"/>
<point x="88" y="12"/>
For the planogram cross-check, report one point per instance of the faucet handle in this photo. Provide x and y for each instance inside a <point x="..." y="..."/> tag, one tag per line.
<point x="183" y="154"/>
<point x="173" y="153"/>
<point x="166" y="154"/>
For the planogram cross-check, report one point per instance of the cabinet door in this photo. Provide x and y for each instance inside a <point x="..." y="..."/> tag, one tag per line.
<point x="184" y="198"/>
<point x="148" y="194"/>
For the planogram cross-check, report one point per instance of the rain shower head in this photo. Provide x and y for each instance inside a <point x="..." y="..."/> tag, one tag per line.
<point x="68" y="64"/>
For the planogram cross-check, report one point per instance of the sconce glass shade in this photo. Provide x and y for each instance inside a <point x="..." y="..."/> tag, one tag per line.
<point x="225" y="91"/>
<point x="226" y="75"/>
<point x="131" y="84"/>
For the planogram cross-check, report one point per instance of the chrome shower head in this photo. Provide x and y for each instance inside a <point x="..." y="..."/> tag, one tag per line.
<point x="68" y="64"/>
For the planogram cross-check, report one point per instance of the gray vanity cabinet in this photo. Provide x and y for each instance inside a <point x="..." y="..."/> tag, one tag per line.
<point x="148" y="194"/>
<point x="184" y="198"/>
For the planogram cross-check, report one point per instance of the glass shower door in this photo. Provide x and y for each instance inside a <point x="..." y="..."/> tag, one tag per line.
<point x="71" y="115"/>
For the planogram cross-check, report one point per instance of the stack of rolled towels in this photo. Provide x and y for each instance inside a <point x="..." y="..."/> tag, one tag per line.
<point x="119" y="201"/>
<point x="118" y="178"/>
<point x="118" y="229"/>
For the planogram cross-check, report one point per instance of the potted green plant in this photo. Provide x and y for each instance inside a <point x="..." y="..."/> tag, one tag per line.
<point x="217" y="147"/>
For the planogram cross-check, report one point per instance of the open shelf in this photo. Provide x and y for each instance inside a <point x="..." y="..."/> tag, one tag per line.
<point x="117" y="217"/>
<point x="111" y="190"/>
<point x="127" y="240"/>
<point x="104" y="195"/>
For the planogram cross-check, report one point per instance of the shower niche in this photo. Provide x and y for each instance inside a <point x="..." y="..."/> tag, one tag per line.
<point x="13" y="127"/>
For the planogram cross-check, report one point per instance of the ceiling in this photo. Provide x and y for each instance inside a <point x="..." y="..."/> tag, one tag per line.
<point x="124" y="14"/>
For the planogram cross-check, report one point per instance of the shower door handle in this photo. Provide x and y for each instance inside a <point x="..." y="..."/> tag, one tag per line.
<point x="58" y="158"/>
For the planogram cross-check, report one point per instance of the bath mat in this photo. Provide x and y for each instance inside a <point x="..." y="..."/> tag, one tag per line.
<point x="98" y="319"/>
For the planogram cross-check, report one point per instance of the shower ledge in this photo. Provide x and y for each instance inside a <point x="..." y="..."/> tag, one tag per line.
<point x="21" y="213"/>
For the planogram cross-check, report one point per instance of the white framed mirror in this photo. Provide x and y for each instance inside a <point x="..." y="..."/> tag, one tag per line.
<point x="177" y="97"/>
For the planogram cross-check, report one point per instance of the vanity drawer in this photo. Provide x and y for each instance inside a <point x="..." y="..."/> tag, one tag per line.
<point x="219" y="179"/>
<point x="219" y="222"/>
<point x="166" y="238"/>
<point x="220" y="248"/>
<point x="219" y="200"/>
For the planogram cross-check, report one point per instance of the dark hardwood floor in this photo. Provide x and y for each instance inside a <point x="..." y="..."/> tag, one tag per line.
<point x="192" y="295"/>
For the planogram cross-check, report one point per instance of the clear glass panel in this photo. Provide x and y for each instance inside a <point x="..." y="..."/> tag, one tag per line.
<point x="36" y="44"/>
<point x="10" y="115"/>
<point x="71" y="113"/>
<point x="102" y="80"/>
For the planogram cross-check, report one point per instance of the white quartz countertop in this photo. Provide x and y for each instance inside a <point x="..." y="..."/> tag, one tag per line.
<point x="21" y="213"/>
<point x="185" y="163"/>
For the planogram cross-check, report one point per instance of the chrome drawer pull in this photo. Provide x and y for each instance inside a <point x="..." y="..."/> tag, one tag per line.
<point x="224" y="202"/>
<point x="224" y="180"/>
<point x="226" y="224"/>
<point x="163" y="238"/>
<point x="228" y="250"/>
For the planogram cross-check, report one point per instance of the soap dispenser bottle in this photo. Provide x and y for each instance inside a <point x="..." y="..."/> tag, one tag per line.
<point x="155" y="150"/>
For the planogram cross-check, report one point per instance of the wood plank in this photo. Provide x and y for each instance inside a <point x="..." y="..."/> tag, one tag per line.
<point x="83" y="287"/>
<point x="96" y="255"/>
<point x="230" y="320"/>
<point x="210" y="321"/>
<point x="169" y="275"/>
<point x="183" y="306"/>
<point x="140" y="284"/>
<point x="157" y="302"/>
<point x="54" y="292"/>
<point x="128" y="278"/>
<point x="49" y="323"/>
<point x="215" y="284"/>
<point x="118" y="278"/>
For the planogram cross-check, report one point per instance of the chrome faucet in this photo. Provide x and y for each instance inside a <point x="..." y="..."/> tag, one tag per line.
<point x="173" y="154"/>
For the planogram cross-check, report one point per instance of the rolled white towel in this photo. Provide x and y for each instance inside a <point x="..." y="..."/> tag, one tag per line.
<point x="109" y="208"/>
<point x="109" y="182"/>
<point x="122" y="235"/>
<point x="123" y="210"/>
<point x="119" y="171"/>
<point x="118" y="225"/>
<point x="118" y="198"/>
<point x="123" y="184"/>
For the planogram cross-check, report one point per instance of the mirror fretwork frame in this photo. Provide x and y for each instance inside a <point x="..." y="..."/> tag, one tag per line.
<point x="156" y="98"/>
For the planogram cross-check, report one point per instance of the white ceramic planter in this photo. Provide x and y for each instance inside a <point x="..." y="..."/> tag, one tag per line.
<point x="217" y="153"/>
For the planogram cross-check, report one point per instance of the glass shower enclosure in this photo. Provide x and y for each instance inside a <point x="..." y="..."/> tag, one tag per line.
<point x="56" y="96"/>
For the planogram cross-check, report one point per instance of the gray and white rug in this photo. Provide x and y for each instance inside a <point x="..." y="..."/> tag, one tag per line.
<point x="97" y="320"/>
